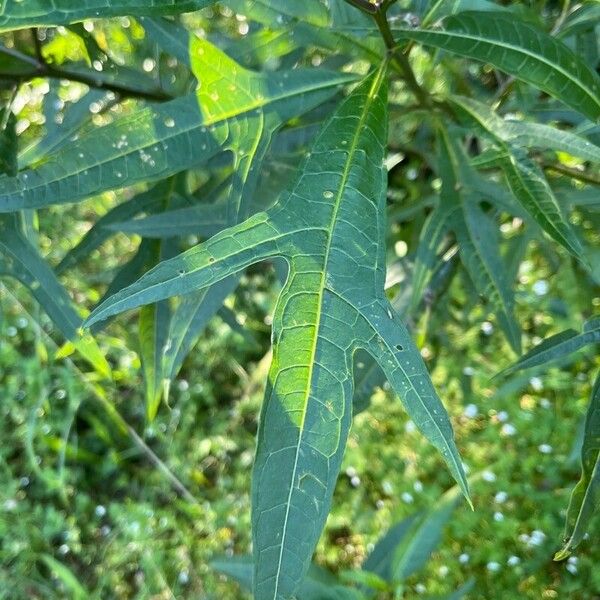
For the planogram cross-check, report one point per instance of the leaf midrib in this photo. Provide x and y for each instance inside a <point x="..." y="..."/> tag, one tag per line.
<point x="338" y="201"/>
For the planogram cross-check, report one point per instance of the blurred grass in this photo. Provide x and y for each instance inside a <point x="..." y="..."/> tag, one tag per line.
<point x="85" y="513"/>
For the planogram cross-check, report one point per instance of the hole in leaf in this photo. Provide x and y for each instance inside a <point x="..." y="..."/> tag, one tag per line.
<point x="399" y="347"/>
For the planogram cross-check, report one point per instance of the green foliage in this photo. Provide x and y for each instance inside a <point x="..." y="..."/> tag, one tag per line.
<point x="586" y="495"/>
<point x="307" y="136"/>
<point x="400" y="552"/>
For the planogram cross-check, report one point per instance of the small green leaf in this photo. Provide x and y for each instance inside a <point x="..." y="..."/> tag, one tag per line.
<point x="381" y="558"/>
<point x="425" y="534"/>
<point x="558" y="346"/>
<point x="585" y="499"/>
<point x="525" y="179"/>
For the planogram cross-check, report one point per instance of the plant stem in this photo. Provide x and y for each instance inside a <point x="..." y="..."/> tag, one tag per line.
<point x="365" y="6"/>
<point x="43" y="69"/>
<point x="399" y="57"/>
<point x="573" y="173"/>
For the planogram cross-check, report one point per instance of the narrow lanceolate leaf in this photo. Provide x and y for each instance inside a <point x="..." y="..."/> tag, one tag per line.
<point x="381" y="558"/>
<point x="20" y="259"/>
<point x="525" y="134"/>
<point x="585" y="499"/>
<point x="233" y="109"/>
<point x="525" y="179"/>
<point x="330" y="227"/>
<point x="477" y="236"/>
<point x="529" y="185"/>
<point x="154" y="325"/>
<point x="16" y="14"/>
<point x="559" y="346"/>
<point x="521" y="50"/>
<point x="415" y="548"/>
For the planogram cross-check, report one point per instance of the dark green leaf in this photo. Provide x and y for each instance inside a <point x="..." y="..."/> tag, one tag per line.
<point x="585" y="499"/>
<point x="8" y="143"/>
<point x="558" y="346"/>
<point x="521" y="50"/>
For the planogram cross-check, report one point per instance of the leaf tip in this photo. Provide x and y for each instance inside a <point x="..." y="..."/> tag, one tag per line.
<point x="562" y="554"/>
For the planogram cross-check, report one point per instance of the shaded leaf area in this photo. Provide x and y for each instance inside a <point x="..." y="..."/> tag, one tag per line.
<point x="460" y="214"/>
<point x="559" y="346"/>
<point x="523" y="176"/>
<point x="8" y="143"/>
<point x="20" y="259"/>
<point x="16" y="14"/>
<point x="521" y="50"/>
<point x="585" y="499"/>
<point x="330" y="227"/>
<point x="75" y="117"/>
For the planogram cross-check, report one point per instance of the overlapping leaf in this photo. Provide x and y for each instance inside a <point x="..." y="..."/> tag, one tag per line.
<point x="585" y="499"/>
<point x="16" y="14"/>
<point x="525" y="179"/>
<point x="521" y="50"/>
<point x="233" y="110"/>
<point x="459" y="213"/>
<point x="330" y="228"/>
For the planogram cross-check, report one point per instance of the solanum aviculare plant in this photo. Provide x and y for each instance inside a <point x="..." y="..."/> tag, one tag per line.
<point x="291" y="159"/>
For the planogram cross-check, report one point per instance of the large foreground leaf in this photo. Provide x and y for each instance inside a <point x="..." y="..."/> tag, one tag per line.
<point x="585" y="499"/>
<point x="331" y="230"/>
<point x="16" y="14"/>
<point x="520" y="50"/>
